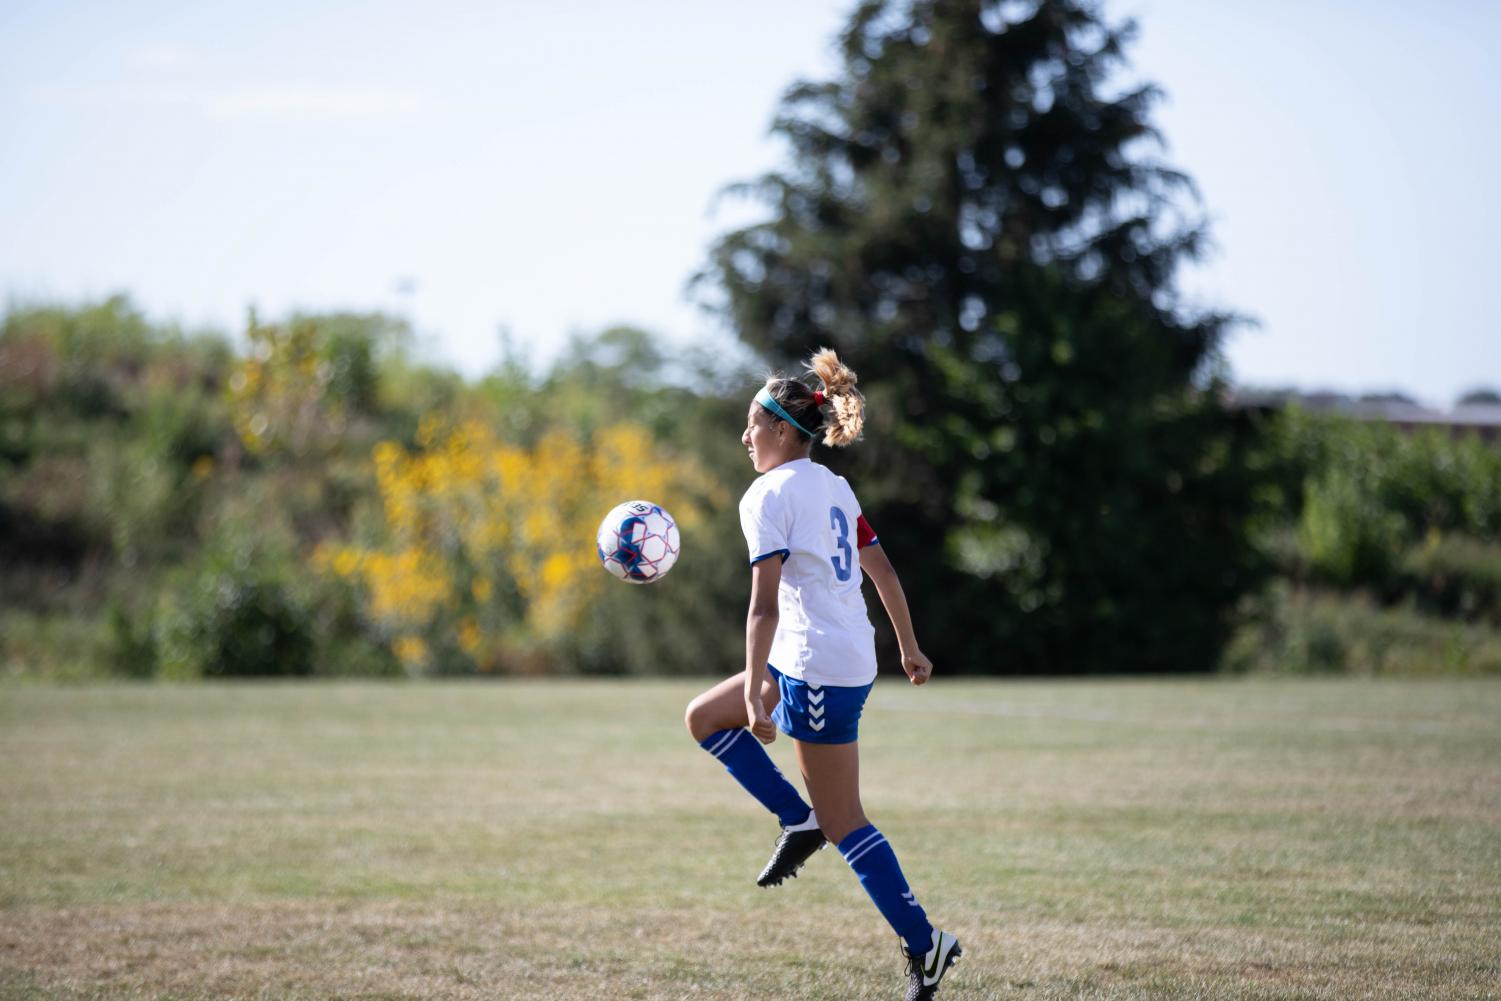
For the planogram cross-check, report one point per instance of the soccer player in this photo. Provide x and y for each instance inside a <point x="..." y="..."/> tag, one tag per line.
<point x="810" y="653"/>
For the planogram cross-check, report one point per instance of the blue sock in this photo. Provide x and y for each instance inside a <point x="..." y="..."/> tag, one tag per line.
<point x="740" y="752"/>
<point x="875" y="863"/>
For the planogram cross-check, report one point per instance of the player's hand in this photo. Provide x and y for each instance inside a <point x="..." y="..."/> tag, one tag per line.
<point x="760" y="723"/>
<point x="918" y="667"/>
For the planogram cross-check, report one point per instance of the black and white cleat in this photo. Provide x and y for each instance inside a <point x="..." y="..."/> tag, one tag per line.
<point x="924" y="972"/>
<point x="793" y="848"/>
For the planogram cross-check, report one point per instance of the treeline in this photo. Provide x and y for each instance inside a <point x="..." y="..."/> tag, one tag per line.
<point x="313" y="501"/>
<point x="1388" y="550"/>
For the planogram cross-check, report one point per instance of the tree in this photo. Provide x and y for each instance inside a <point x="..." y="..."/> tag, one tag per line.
<point x="974" y="217"/>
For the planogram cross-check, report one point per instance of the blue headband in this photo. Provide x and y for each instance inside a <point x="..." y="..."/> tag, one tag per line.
<point x="765" y="399"/>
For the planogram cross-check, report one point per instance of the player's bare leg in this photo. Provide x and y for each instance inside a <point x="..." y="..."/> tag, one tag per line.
<point x="718" y="721"/>
<point x="832" y="775"/>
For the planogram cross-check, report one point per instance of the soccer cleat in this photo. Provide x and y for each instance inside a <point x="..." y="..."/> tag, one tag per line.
<point x="793" y="848"/>
<point x="925" y="971"/>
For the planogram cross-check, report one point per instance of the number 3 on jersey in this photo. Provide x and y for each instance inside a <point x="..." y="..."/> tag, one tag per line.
<point x="840" y="524"/>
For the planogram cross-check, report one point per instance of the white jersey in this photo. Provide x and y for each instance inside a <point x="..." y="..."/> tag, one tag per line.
<point x="805" y="514"/>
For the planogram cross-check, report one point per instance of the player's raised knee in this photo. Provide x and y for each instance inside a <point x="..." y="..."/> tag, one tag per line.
<point x="695" y="718"/>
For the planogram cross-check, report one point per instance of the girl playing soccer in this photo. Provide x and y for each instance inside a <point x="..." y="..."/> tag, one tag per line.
<point x="810" y="653"/>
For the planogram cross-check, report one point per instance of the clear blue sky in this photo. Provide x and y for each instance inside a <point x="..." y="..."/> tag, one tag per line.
<point x="550" y="168"/>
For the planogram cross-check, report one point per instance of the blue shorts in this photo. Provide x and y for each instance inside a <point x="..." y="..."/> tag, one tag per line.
<point x="818" y="714"/>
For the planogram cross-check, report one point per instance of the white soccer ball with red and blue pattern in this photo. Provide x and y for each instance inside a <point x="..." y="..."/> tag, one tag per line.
<point x="638" y="542"/>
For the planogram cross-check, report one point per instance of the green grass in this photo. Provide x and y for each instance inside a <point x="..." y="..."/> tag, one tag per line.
<point x="1123" y="840"/>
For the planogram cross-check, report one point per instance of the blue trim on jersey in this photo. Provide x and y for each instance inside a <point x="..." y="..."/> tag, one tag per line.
<point x="764" y="398"/>
<point x="783" y="553"/>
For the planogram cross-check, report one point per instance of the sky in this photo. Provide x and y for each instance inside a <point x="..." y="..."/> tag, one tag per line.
<point x="550" y="169"/>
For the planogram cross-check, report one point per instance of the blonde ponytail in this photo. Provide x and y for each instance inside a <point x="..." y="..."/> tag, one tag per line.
<point x="844" y="425"/>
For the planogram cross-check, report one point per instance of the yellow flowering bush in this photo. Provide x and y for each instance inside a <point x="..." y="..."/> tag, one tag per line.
<point x="487" y="553"/>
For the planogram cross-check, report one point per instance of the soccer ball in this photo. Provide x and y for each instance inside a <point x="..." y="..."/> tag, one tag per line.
<point x="638" y="542"/>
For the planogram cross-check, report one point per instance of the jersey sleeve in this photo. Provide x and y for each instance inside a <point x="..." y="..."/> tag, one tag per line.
<point x="764" y="525"/>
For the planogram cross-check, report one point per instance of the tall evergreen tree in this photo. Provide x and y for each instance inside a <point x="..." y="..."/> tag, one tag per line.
<point x="974" y="216"/>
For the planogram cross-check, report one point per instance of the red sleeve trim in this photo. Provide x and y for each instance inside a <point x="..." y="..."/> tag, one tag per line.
<point x="864" y="534"/>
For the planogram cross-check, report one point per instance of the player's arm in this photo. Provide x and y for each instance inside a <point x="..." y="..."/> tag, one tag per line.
<point x="878" y="568"/>
<point x="760" y="630"/>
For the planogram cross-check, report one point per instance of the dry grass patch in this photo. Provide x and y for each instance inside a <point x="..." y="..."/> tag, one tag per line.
<point x="311" y="950"/>
<point x="1088" y="840"/>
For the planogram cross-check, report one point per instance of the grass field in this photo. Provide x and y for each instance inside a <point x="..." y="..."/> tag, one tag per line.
<point x="1131" y="840"/>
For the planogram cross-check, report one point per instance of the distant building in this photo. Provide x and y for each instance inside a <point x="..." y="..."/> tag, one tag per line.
<point x="1483" y="419"/>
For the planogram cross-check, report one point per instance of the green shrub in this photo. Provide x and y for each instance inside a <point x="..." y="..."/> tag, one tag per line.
<point x="347" y="643"/>
<point x="1347" y="536"/>
<point x="52" y="646"/>
<point x="1293" y="630"/>
<point x="235" y="617"/>
<point x="1429" y="480"/>
<point x="132" y="646"/>
<point x="1455" y="576"/>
